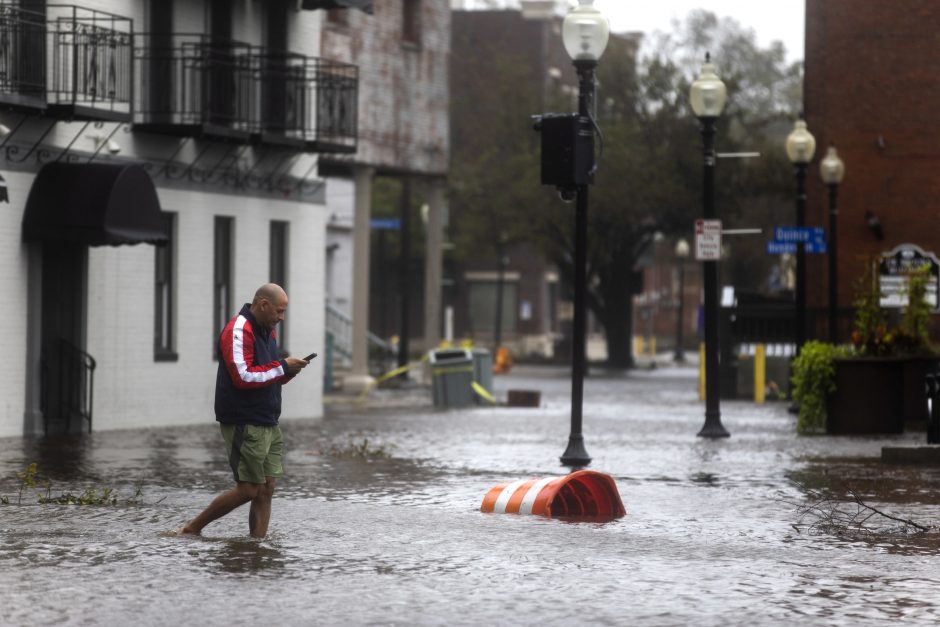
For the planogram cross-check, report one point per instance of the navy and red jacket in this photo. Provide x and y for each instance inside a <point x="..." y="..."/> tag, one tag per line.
<point x="250" y="375"/>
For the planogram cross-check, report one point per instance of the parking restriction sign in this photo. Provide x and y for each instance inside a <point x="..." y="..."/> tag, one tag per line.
<point x="707" y="240"/>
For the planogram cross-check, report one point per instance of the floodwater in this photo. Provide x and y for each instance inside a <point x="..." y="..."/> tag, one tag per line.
<point x="713" y="533"/>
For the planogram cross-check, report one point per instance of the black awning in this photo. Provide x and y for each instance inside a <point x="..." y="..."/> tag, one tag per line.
<point x="94" y="204"/>
<point x="362" y="5"/>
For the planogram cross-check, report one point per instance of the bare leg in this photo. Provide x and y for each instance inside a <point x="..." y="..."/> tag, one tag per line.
<point x="260" y="513"/>
<point x="222" y="505"/>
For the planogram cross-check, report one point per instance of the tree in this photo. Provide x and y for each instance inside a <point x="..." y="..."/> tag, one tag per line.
<point x="649" y="179"/>
<point x="650" y="170"/>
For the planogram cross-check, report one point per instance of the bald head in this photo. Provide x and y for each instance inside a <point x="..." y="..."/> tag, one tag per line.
<point x="271" y="292"/>
<point x="269" y="304"/>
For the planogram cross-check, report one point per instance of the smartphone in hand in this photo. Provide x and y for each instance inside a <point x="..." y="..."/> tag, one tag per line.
<point x="310" y="357"/>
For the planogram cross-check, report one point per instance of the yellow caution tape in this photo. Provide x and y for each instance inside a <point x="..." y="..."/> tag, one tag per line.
<point x="482" y="391"/>
<point x="393" y="373"/>
<point x="437" y="370"/>
<point x="388" y="375"/>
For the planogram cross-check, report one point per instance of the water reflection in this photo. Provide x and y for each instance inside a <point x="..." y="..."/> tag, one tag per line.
<point x="58" y="457"/>
<point x="241" y="556"/>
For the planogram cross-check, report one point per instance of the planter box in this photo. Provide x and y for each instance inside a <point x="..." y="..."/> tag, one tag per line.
<point x="878" y="395"/>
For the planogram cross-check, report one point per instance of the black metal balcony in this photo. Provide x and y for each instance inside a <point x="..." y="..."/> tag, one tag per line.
<point x="190" y="86"/>
<point x="309" y="103"/>
<point x="22" y="58"/>
<point x="92" y="69"/>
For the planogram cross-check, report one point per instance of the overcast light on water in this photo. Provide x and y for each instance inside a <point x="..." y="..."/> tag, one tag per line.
<point x="712" y="535"/>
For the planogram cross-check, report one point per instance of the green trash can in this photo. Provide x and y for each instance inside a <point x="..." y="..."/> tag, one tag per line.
<point x="483" y="373"/>
<point x="451" y="377"/>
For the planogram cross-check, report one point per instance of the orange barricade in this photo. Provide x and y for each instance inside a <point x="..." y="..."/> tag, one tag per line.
<point x="583" y="493"/>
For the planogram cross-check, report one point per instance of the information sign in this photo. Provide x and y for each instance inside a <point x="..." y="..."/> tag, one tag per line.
<point x="894" y="268"/>
<point x="707" y="240"/>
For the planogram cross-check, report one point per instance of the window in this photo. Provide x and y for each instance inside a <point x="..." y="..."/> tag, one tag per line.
<point x="337" y="17"/>
<point x="483" y="306"/>
<point x="411" y="22"/>
<point x="220" y="20"/>
<point x="159" y="63"/>
<point x="278" y="271"/>
<point x="222" y="278"/>
<point x="164" y="337"/>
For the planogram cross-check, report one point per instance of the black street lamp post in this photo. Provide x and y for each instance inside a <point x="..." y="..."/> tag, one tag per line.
<point x="831" y="169"/>
<point x="707" y="96"/>
<point x="584" y="32"/>
<point x="800" y="148"/>
<point x="682" y="253"/>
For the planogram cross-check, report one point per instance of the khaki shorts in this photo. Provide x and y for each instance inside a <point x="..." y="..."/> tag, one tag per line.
<point x="254" y="452"/>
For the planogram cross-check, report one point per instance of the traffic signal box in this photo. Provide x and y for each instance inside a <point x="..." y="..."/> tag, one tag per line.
<point x="567" y="149"/>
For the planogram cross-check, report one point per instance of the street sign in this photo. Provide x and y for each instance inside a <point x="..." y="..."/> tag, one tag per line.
<point x="789" y="248"/>
<point x="707" y="240"/>
<point x="385" y="224"/>
<point x="799" y="234"/>
<point x="786" y="239"/>
<point x="893" y="269"/>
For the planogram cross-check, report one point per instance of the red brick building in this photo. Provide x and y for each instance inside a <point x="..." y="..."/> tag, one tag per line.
<point x="872" y="88"/>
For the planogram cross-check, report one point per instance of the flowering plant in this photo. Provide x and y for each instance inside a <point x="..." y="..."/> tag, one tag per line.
<point x="873" y="336"/>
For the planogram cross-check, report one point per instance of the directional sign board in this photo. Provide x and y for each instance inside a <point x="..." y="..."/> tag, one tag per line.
<point x="707" y="240"/>
<point x="786" y="239"/>
<point x="799" y="234"/>
<point x="789" y="248"/>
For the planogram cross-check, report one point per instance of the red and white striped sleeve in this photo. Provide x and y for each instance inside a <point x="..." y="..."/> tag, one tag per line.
<point x="238" y="350"/>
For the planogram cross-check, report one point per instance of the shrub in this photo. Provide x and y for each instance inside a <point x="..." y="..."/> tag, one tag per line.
<point x="813" y="378"/>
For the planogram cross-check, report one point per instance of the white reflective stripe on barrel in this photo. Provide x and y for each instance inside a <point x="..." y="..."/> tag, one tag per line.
<point x="529" y="500"/>
<point x="505" y="495"/>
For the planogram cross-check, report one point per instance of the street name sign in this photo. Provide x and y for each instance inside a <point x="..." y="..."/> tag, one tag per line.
<point x="789" y="248"/>
<point x="786" y="239"/>
<point x="799" y="234"/>
<point x="385" y="224"/>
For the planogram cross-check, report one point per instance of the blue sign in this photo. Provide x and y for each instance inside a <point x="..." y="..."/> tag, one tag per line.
<point x="799" y="234"/>
<point x="789" y="248"/>
<point x="385" y="224"/>
<point x="786" y="239"/>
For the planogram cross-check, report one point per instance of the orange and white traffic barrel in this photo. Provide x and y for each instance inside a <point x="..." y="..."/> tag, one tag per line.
<point x="582" y="494"/>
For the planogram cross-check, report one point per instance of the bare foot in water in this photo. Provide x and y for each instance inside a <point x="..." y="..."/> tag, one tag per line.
<point x="182" y="531"/>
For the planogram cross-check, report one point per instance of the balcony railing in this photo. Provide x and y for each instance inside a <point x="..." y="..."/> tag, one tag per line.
<point x="22" y="58"/>
<point x="189" y="85"/>
<point x="335" y="122"/>
<point x="309" y="100"/>
<point x="91" y="59"/>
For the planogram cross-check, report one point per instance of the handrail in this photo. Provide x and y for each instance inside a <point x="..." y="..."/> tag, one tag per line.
<point x="339" y="326"/>
<point x="76" y="382"/>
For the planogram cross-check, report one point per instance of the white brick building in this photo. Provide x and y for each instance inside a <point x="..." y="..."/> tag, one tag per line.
<point x="227" y="107"/>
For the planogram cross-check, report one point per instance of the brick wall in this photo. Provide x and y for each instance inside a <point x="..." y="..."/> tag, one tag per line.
<point x="871" y="88"/>
<point x="403" y="88"/>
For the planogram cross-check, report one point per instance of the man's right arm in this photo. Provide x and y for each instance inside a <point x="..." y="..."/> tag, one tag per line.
<point x="237" y="345"/>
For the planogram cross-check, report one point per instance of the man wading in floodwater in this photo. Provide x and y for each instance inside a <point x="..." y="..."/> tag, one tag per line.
<point x="248" y="404"/>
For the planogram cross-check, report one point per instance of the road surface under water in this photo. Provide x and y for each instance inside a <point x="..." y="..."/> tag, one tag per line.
<point x="713" y="533"/>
